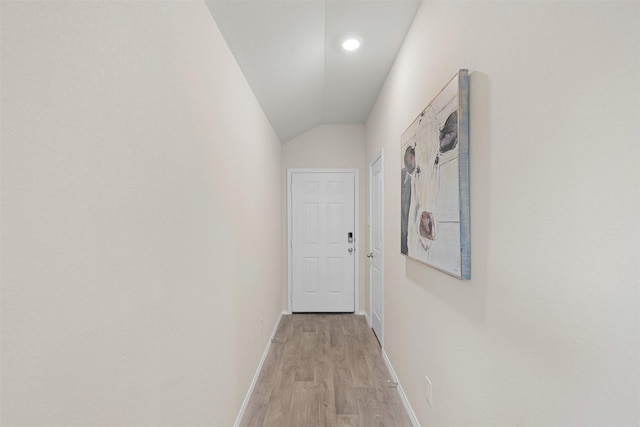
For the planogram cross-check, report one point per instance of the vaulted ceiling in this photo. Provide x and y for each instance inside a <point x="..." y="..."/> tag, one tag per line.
<point x="291" y="55"/>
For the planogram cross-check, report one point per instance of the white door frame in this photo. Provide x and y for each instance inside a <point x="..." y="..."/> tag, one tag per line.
<point x="380" y="156"/>
<point x="356" y="231"/>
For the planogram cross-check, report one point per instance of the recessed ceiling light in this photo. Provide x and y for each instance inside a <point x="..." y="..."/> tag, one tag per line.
<point x="351" y="44"/>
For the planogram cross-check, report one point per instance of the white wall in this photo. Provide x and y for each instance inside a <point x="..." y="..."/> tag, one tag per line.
<point x="329" y="146"/>
<point x="546" y="333"/>
<point x="138" y="173"/>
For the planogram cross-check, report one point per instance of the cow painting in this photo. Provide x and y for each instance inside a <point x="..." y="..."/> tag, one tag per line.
<point x="431" y="223"/>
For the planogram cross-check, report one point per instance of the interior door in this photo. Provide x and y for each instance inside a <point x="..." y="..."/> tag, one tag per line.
<point x="322" y="241"/>
<point x="376" y="275"/>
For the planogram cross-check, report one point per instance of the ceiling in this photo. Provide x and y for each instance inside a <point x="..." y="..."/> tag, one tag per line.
<point x="290" y="53"/>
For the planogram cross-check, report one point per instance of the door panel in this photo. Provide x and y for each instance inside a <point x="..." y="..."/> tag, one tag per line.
<point x="376" y="249"/>
<point x="323" y="259"/>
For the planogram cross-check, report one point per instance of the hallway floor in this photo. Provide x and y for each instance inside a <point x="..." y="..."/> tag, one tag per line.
<point x="324" y="370"/>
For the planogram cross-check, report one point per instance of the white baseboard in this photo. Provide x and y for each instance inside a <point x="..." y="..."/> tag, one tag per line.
<point x="257" y="374"/>
<point x="403" y="397"/>
<point x="366" y="317"/>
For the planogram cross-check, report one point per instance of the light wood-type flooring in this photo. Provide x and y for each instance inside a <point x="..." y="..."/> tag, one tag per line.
<point x="324" y="370"/>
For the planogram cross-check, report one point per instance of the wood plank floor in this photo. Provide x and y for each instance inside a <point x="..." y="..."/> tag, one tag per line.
<point x="324" y="370"/>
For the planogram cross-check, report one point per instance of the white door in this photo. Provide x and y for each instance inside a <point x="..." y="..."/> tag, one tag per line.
<point x="322" y="239"/>
<point x="376" y="275"/>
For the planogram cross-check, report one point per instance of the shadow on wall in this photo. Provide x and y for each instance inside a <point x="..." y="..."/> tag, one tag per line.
<point x="469" y="297"/>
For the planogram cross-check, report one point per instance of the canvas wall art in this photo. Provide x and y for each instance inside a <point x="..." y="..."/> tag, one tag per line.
<point x="435" y="222"/>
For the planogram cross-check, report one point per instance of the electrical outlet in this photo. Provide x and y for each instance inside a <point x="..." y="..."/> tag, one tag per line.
<point x="428" y="390"/>
<point x="261" y="324"/>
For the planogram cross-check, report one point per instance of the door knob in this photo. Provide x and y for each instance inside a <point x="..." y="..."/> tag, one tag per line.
<point x="370" y="255"/>
<point x="350" y="250"/>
